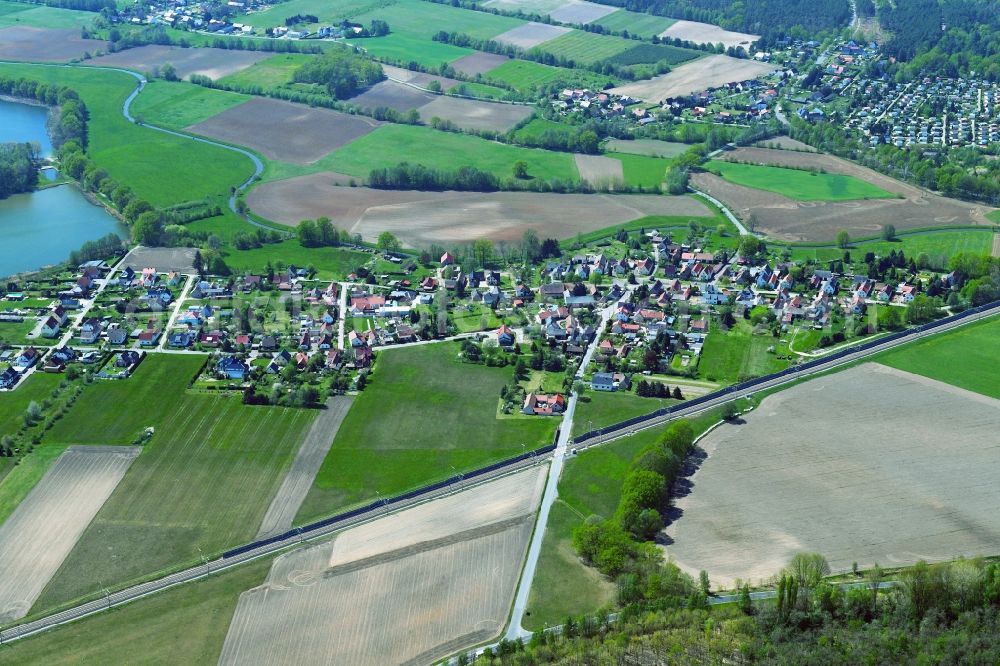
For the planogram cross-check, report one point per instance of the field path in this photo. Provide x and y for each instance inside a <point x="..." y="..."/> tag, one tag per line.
<point x="996" y="245"/>
<point x="303" y="470"/>
<point x="47" y="524"/>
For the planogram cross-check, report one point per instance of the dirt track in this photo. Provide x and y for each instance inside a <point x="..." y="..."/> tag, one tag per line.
<point x="408" y="589"/>
<point x="869" y="464"/>
<point x="785" y="219"/>
<point x="285" y="131"/>
<point x="41" y="532"/>
<point x="706" y="33"/>
<point x="422" y="218"/>
<point x="45" y="45"/>
<point x="703" y="73"/>
<point x="210" y="62"/>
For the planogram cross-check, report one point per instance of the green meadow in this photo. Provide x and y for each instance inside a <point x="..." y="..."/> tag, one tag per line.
<point x="798" y="184"/>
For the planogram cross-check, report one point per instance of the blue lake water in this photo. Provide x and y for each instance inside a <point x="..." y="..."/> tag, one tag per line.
<point x="42" y="228"/>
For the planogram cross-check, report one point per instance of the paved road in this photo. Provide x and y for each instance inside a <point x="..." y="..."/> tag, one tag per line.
<point x="728" y="213"/>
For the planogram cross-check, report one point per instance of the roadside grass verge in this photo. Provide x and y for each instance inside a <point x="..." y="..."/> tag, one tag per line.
<point x="798" y="184"/>
<point x="597" y="409"/>
<point x="424" y="417"/>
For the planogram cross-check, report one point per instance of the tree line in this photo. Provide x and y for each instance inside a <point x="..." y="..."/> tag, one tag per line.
<point x="18" y="168"/>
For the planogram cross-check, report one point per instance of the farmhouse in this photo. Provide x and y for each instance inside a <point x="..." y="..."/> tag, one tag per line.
<point x="539" y="404"/>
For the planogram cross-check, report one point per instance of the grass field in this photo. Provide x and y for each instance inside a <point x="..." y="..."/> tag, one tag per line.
<point x="35" y="388"/>
<point x="645" y="25"/>
<point x="798" y="184"/>
<point x="178" y="104"/>
<point x="527" y="75"/>
<point x="204" y="481"/>
<point x="326" y="12"/>
<point x="423" y="416"/>
<point x="330" y="262"/>
<point x="17" y="13"/>
<point x="994" y="216"/>
<point x="480" y="90"/>
<point x="586" y="48"/>
<point x="270" y="73"/>
<point x="641" y="169"/>
<point x="407" y="49"/>
<point x="22" y="478"/>
<point x="479" y="318"/>
<point x="938" y="245"/>
<point x="182" y="625"/>
<point x="160" y="168"/>
<point x="420" y="19"/>
<point x="600" y="408"/>
<point x="728" y="357"/>
<point x="649" y="147"/>
<point x="390" y="145"/>
<point x="966" y="358"/>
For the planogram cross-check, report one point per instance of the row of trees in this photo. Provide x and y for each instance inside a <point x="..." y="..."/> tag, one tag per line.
<point x="406" y="176"/>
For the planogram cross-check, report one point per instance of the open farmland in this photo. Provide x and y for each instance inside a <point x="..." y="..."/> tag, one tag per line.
<point x="872" y="465"/>
<point x="784" y="218"/>
<point x="798" y="184"/>
<point x="392" y="95"/>
<point x="45" y="44"/>
<point x="177" y="105"/>
<point x="475" y="114"/>
<point x="580" y="11"/>
<point x="24" y="14"/>
<point x="403" y="430"/>
<point x="711" y="71"/>
<point x="204" y="480"/>
<point x="531" y="35"/>
<point x="407" y="48"/>
<point x="479" y="63"/>
<point x="421" y="19"/>
<point x="706" y="33"/>
<point x="285" y="131"/>
<point x="586" y="48"/>
<point x="42" y="531"/>
<point x="442" y="574"/>
<point x="647" y="147"/>
<point x="600" y="170"/>
<point x="421" y="79"/>
<point x="541" y="7"/>
<point x="275" y="71"/>
<point x="644" y="25"/>
<point x="422" y="218"/>
<point x="210" y="62"/>
<point x="529" y="75"/>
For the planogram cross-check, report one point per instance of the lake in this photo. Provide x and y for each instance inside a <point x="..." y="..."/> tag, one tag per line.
<point x="42" y="228"/>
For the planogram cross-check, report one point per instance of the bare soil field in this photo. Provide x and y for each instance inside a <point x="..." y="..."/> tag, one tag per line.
<point x="530" y="35"/>
<point x="786" y="219"/>
<point x="45" y="44"/>
<point x="599" y="170"/>
<point x="867" y="465"/>
<point x="43" y="529"/>
<point x="479" y="63"/>
<point x="418" y="78"/>
<point x="996" y="245"/>
<point x="285" y="131"/>
<point x="306" y="464"/>
<point x="786" y="143"/>
<point x="706" y="33"/>
<point x="213" y="63"/>
<point x="392" y="95"/>
<point x="649" y="147"/>
<point x="527" y="6"/>
<point x="474" y="114"/>
<point x="407" y="589"/>
<point x="422" y="218"/>
<point x="700" y="74"/>
<point x="581" y="11"/>
<point x="163" y="259"/>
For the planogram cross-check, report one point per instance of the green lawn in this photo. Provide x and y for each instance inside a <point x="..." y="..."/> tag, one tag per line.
<point x="390" y="145"/>
<point x="203" y="481"/>
<point x="728" y="357"/>
<point x="420" y="19"/>
<point x="407" y="49"/>
<point x="422" y="414"/>
<point x="271" y="73"/>
<point x="37" y="388"/>
<point x="967" y="358"/>
<point x="182" y="625"/>
<point x="330" y="262"/>
<point x="161" y="168"/>
<point x="527" y="75"/>
<point x="21" y="479"/>
<point x="798" y="184"/>
<point x="178" y="104"/>
<point x="17" y="14"/>
<point x="585" y="48"/>
<point x="645" y="25"/>
<point x="642" y="169"/>
<point x="478" y="318"/>
<point x="601" y="408"/>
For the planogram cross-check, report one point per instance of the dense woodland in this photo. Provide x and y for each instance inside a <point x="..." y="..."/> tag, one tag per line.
<point x="18" y="172"/>
<point x="342" y="72"/>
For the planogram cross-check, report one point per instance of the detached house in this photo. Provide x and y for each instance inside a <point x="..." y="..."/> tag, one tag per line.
<point x="539" y="404"/>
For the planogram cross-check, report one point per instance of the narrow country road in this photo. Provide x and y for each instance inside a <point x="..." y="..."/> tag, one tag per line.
<point x="177" y="309"/>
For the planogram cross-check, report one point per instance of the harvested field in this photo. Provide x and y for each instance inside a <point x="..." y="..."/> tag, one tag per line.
<point x="479" y="63"/>
<point x="786" y="143"/>
<point x="417" y="78"/>
<point x="703" y="73"/>
<point x="706" y="33"/>
<point x="648" y="147"/>
<point x="581" y="11"/>
<point x="392" y="95"/>
<point x="785" y="219"/>
<point x="421" y="218"/>
<point x="911" y="479"/>
<point x="996" y="245"/>
<point x="300" y="476"/>
<point x="213" y="63"/>
<point x="163" y="259"/>
<point x="474" y="114"/>
<point x="45" y="44"/>
<point x="441" y="575"/>
<point x="285" y="131"/>
<point x="599" y="170"/>
<point x="43" y="529"/>
<point x="530" y="35"/>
